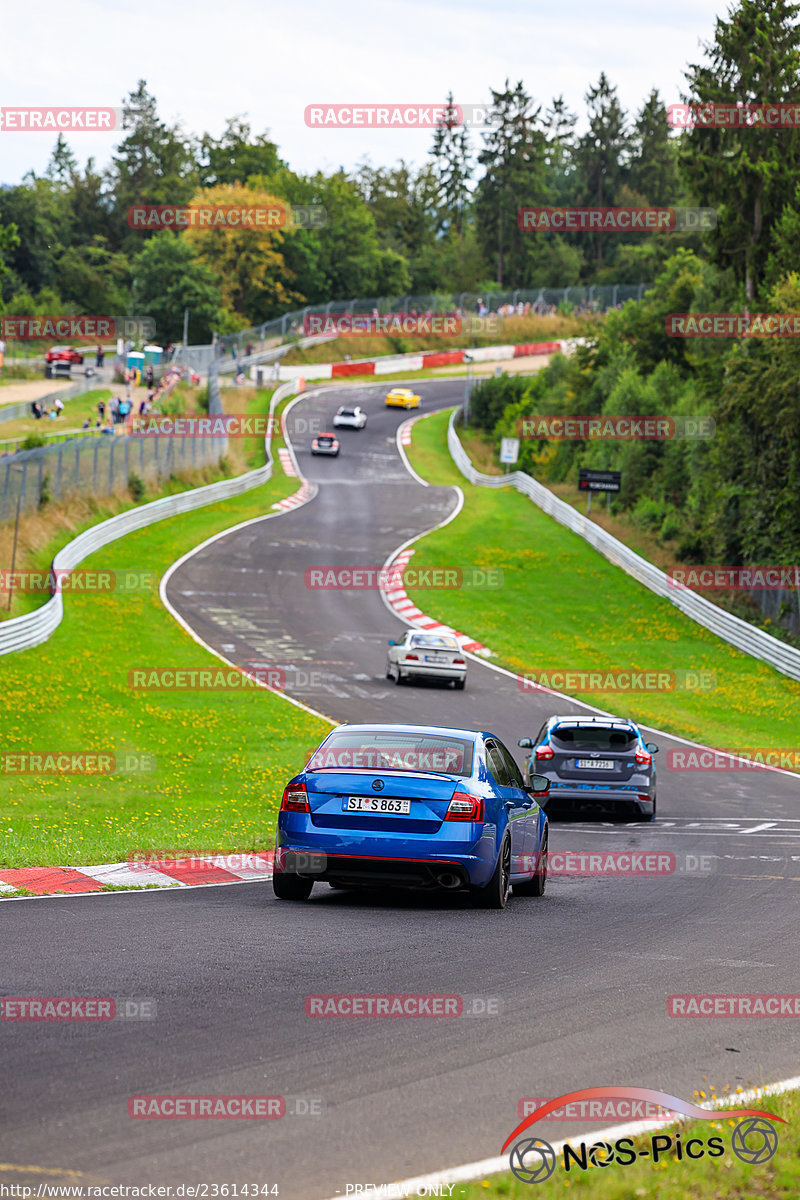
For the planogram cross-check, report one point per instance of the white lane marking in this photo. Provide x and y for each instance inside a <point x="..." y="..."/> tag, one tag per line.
<point x="493" y="1166"/>
<point x="758" y="828"/>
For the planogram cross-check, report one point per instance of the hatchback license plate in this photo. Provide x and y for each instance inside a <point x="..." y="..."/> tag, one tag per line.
<point x="377" y="804"/>
<point x="603" y="764"/>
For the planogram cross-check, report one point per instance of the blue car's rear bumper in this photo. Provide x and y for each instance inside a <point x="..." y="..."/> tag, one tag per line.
<point x="467" y="850"/>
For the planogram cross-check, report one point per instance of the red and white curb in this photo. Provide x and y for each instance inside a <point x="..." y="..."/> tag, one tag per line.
<point x="286" y="463"/>
<point x="188" y="872"/>
<point x="405" y="608"/>
<point x="392" y="364"/>
<point x="306" y="492"/>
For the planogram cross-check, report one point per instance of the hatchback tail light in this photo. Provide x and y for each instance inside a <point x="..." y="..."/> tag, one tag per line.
<point x="464" y="807"/>
<point x="295" y="798"/>
<point x="643" y="757"/>
<point x="544" y="751"/>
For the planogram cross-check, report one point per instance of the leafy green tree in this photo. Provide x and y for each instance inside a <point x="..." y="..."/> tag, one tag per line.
<point x="453" y="169"/>
<point x="236" y="155"/>
<point x="155" y="164"/>
<point x="748" y="174"/>
<point x="603" y="152"/>
<point x="558" y="125"/>
<point x="513" y="156"/>
<point x="653" y="166"/>
<point x="168" y="278"/>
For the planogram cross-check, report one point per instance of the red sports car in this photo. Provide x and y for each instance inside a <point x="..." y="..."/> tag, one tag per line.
<point x="64" y="354"/>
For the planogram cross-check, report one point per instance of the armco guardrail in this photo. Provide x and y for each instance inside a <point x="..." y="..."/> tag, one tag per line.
<point x="731" y="629"/>
<point x="32" y="628"/>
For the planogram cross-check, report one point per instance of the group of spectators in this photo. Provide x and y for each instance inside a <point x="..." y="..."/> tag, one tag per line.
<point x="41" y="410"/>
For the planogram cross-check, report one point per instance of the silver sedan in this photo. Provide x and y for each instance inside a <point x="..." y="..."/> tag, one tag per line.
<point x="426" y="656"/>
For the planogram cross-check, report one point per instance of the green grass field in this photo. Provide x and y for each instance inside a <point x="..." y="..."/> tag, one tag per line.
<point x="563" y="606"/>
<point x="76" y="410"/>
<point x="221" y="757"/>
<point x="724" y="1177"/>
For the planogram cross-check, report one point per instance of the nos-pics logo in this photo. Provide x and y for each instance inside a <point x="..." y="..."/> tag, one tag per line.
<point x="533" y="1160"/>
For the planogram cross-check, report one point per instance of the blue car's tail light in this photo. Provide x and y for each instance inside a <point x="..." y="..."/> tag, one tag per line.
<point x="464" y="807"/>
<point x="295" y="798"/>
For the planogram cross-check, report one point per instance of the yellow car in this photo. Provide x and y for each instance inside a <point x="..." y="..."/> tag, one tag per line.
<point x="402" y="398"/>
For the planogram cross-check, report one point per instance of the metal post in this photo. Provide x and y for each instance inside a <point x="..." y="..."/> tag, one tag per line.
<point x="58" y="470"/>
<point x="185" y="327"/>
<point x="127" y="457"/>
<point x="588" y="503"/>
<point x="111" y="466"/>
<point x="5" y="490"/>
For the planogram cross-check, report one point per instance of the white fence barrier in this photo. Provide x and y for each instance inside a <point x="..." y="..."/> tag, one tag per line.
<point x="32" y="628"/>
<point x="737" y="632"/>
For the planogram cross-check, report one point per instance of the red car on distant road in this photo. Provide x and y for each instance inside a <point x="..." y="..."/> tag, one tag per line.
<point x="64" y="354"/>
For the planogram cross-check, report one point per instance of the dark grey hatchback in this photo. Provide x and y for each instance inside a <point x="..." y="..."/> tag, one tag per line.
<point x="596" y="764"/>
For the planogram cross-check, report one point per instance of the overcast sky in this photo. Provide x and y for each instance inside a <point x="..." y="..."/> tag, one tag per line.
<point x="205" y="61"/>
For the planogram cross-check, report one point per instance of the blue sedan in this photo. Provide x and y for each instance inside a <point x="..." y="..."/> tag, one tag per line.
<point x="419" y="806"/>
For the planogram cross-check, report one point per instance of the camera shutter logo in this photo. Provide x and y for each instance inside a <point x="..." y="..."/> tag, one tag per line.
<point x="754" y="1141"/>
<point x="532" y="1160"/>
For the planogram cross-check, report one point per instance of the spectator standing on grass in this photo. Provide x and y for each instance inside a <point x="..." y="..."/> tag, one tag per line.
<point x="113" y="409"/>
<point x="99" y="356"/>
<point x="101" y="409"/>
<point x="248" y="349"/>
<point x="150" y="375"/>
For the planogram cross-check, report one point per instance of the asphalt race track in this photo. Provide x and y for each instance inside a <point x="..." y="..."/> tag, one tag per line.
<point x="580" y="977"/>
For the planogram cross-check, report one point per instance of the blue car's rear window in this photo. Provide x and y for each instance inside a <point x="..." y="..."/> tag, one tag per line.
<point x="388" y="749"/>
